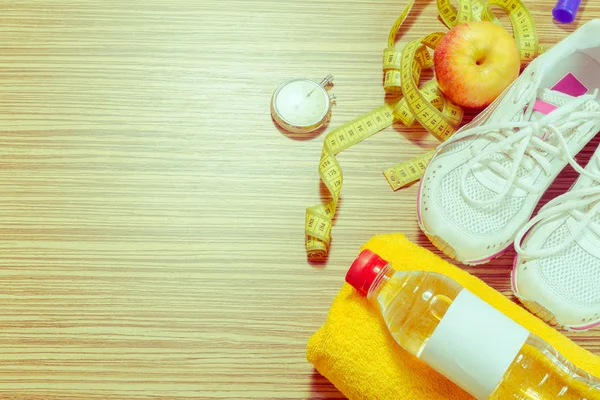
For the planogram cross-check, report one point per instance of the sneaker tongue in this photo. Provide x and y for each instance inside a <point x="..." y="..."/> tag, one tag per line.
<point x="548" y="101"/>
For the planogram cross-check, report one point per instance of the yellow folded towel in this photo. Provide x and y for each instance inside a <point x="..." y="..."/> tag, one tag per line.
<point x="357" y="354"/>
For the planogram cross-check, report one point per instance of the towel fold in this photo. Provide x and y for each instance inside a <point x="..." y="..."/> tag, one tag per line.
<point x="357" y="354"/>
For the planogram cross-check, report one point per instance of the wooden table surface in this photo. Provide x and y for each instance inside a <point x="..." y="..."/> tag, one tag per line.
<point x="152" y="215"/>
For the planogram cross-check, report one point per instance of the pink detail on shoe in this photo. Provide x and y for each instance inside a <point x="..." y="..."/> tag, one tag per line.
<point x="543" y="107"/>
<point x="513" y="275"/>
<point x="567" y="85"/>
<point x="490" y="257"/>
<point x="570" y="85"/>
<point x="584" y="328"/>
<point x="516" y="290"/>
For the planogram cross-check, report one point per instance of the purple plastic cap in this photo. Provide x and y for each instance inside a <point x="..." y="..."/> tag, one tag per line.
<point x="565" y="10"/>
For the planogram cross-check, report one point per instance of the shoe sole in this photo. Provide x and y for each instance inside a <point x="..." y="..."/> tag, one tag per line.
<point x="542" y="312"/>
<point x="444" y="246"/>
<point x="536" y="308"/>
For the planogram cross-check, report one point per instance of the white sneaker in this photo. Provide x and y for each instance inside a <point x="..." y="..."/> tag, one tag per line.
<point x="556" y="273"/>
<point x="483" y="184"/>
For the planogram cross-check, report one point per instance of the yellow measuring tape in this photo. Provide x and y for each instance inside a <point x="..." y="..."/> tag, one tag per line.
<point x="426" y="105"/>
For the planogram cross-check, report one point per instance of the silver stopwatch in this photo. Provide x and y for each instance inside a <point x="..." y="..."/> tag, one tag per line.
<point x="302" y="105"/>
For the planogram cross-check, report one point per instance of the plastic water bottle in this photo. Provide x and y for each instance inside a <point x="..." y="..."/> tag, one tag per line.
<point x="465" y="339"/>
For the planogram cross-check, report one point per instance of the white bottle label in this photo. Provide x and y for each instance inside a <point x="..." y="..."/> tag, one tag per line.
<point x="474" y="344"/>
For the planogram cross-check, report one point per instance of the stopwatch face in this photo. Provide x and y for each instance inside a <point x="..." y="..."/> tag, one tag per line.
<point x="300" y="105"/>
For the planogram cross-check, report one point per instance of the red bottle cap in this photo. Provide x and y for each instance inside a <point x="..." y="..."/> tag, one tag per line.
<point x="364" y="271"/>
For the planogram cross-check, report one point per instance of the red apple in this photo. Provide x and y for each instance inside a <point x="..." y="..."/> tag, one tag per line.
<point x="475" y="62"/>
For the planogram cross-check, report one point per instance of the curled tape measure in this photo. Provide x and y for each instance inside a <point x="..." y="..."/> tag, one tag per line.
<point x="426" y="105"/>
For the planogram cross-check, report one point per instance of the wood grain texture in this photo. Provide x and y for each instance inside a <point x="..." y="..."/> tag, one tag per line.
<point x="152" y="215"/>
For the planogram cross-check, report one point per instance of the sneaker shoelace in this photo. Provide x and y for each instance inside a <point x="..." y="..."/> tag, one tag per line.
<point x="581" y="204"/>
<point x="527" y="143"/>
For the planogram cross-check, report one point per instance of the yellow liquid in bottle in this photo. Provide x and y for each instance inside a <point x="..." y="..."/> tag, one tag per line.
<point x="413" y="304"/>
<point x="533" y="376"/>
